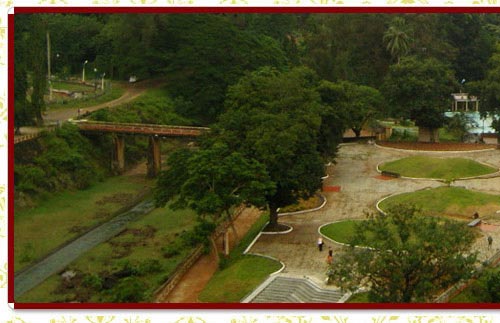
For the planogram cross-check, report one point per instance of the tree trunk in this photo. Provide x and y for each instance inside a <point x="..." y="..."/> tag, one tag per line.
<point x="273" y="216"/>
<point x="214" y="248"/>
<point x="233" y="227"/>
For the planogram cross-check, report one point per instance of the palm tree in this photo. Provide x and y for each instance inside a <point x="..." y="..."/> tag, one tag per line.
<point x="397" y="39"/>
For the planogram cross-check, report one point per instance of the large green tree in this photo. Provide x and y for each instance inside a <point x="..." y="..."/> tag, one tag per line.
<point x="412" y="257"/>
<point x="358" y="103"/>
<point x="275" y="118"/>
<point x="206" y="54"/>
<point x="342" y="47"/>
<point x="213" y="181"/>
<point x="419" y="90"/>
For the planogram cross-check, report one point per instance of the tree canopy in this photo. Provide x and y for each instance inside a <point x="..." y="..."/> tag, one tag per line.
<point x="420" y="90"/>
<point x="411" y="256"/>
<point x="274" y="118"/>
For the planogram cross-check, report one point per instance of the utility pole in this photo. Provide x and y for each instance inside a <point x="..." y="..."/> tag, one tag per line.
<point x="48" y="66"/>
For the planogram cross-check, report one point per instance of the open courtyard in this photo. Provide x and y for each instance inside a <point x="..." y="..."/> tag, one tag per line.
<point x="359" y="187"/>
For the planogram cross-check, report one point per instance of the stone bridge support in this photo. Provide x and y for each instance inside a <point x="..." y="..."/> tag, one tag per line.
<point x="118" y="154"/>
<point x="154" y="156"/>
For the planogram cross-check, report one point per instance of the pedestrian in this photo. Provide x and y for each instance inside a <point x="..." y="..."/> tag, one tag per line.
<point x="329" y="258"/>
<point x="320" y="244"/>
<point x="490" y="241"/>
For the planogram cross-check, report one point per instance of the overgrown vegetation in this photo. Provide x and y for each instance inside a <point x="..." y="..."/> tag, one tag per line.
<point x="59" y="160"/>
<point x="154" y="107"/>
<point x="486" y="289"/>
<point x="60" y="217"/>
<point x="127" y="268"/>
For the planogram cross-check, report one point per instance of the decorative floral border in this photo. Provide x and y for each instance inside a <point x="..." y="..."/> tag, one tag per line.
<point x="9" y="315"/>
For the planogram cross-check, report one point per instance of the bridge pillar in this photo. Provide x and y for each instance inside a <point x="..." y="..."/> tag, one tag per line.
<point x="154" y="156"/>
<point x="118" y="155"/>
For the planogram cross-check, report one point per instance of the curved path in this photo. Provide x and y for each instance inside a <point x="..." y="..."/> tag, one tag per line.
<point x="360" y="188"/>
<point x="132" y="91"/>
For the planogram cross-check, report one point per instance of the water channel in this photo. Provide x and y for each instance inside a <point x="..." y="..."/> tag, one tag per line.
<point x="58" y="260"/>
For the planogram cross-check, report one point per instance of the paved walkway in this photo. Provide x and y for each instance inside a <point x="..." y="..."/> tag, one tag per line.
<point x="360" y="189"/>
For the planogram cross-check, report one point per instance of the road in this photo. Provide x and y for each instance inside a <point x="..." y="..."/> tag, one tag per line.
<point x="132" y="91"/>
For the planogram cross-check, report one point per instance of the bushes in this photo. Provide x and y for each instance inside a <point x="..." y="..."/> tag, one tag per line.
<point x="63" y="159"/>
<point x="124" y="284"/>
<point x="154" y="107"/>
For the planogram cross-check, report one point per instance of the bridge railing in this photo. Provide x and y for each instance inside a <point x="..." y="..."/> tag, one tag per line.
<point x="84" y="123"/>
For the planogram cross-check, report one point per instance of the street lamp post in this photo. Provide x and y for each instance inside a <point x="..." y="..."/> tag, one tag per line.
<point x="95" y="80"/>
<point x="102" y="82"/>
<point x="83" y="71"/>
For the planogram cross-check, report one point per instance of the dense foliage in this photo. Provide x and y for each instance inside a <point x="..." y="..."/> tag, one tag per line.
<point x="63" y="159"/>
<point x="412" y="257"/>
<point x="203" y="55"/>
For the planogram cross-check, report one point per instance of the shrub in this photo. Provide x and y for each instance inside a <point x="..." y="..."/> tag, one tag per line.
<point x="92" y="281"/>
<point x="148" y="267"/>
<point x="128" y="290"/>
<point x="172" y="249"/>
<point x="493" y="286"/>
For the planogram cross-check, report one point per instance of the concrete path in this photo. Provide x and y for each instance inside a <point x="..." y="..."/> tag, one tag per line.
<point x="360" y="189"/>
<point x="57" y="261"/>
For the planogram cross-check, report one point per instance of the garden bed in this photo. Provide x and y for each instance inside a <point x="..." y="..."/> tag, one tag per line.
<point x="428" y="146"/>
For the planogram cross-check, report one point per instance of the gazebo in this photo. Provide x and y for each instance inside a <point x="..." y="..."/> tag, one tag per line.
<point x="464" y="101"/>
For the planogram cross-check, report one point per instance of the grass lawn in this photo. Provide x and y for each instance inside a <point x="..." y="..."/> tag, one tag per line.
<point x="136" y="254"/>
<point x="238" y="279"/>
<point x="71" y="86"/>
<point x="115" y="92"/>
<point x="359" y="298"/>
<point x="241" y="273"/>
<point x="340" y="231"/>
<point x="453" y="202"/>
<point x="67" y="215"/>
<point x="432" y="167"/>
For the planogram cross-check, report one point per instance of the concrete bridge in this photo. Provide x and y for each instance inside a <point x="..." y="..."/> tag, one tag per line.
<point x="152" y="131"/>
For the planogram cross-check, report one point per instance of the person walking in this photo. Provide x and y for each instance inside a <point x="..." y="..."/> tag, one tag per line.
<point x="490" y="242"/>
<point x="320" y="244"/>
<point x="329" y="258"/>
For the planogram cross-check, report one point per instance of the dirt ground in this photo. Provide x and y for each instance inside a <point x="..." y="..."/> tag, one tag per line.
<point x="197" y="277"/>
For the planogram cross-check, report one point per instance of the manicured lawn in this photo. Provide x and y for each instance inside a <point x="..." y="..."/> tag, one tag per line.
<point x="238" y="279"/>
<point x="340" y="231"/>
<point x="449" y="201"/>
<point x="432" y="167"/>
<point x="67" y="215"/>
<point x="136" y="248"/>
<point x="242" y="273"/>
<point x="359" y="298"/>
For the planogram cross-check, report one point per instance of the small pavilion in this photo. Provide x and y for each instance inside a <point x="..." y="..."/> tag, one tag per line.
<point x="464" y="102"/>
